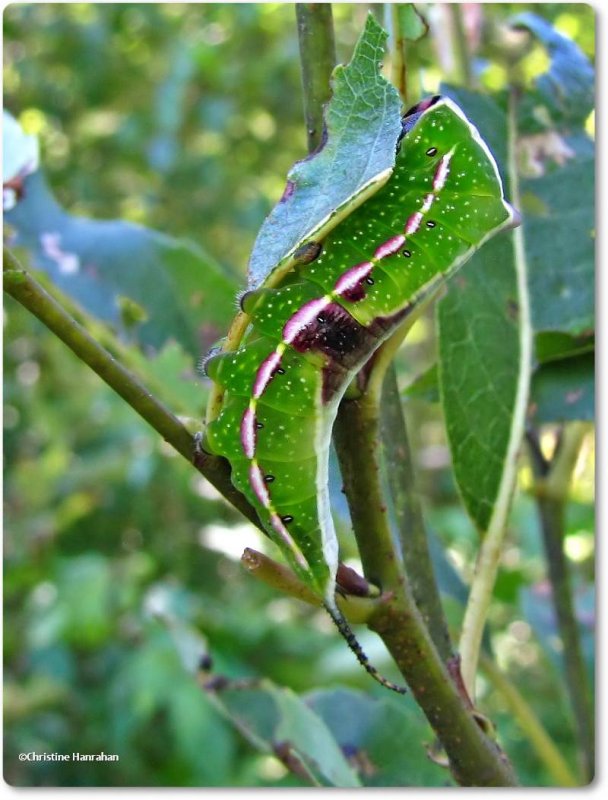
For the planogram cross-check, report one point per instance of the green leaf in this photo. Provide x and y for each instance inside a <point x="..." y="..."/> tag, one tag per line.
<point x="486" y="321"/>
<point x="479" y="355"/>
<point x="153" y="685"/>
<point x="275" y="720"/>
<point x="485" y="352"/>
<point x="564" y="390"/>
<point x="479" y="347"/>
<point x="380" y="736"/>
<point x="82" y="609"/>
<point x="363" y="124"/>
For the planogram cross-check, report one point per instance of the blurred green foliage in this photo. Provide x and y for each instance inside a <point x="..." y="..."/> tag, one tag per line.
<point x="186" y="118"/>
<point x="171" y="109"/>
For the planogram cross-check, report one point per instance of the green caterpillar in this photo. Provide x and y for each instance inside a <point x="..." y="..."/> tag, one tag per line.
<point x="308" y="337"/>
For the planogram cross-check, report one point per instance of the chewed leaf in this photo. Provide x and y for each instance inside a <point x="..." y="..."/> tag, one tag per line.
<point x="363" y="124"/>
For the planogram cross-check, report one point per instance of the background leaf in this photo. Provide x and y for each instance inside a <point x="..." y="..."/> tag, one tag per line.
<point x="558" y="186"/>
<point x="151" y="287"/>
<point x="274" y="718"/>
<point x="559" y="213"/>
<point x="566" y="89"/>
<point x="564" y="390"/>
<point x="367" y="729"/>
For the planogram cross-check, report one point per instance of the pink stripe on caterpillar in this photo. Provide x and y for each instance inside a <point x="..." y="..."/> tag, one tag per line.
<point x="248" y="432"/>
<point x="390" y="247"/>
<point x="428" y="202"/>
<point x="265" y="372"/>
<point x="442" y="171"/>
<point x="277" y="524"/>
<point x="413" y="223"/>
<point x="349" y="279"/>
<point x="303" y="317"/>
<point x="256" y="479"/>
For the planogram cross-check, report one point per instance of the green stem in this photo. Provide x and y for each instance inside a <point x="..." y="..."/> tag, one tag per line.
<point x="357" y="440"/>
<point x="552" y="481"/>
<point x="490" y="550"/>
<point x="404" y="76"/>
<point x="474" y="759"/>
<point x="317" y="57"/>
<point x="530" y="725"/>
<point x="463" y="73"/>
<point x="398" y="64"/>
<point x="408" y="513"/>
<point x="20" y="285"/>
<point x="552" y="522"/>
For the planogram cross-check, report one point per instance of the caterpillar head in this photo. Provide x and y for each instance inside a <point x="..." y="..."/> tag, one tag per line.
<point x="411" y="117"/>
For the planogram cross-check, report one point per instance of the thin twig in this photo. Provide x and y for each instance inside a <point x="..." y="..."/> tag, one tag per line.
<point x="398" y="64"/>
<point x="463" y="72"/>
<point x="551" y="494"/>
<point x="24" y="288"/>
<point x="318" y="58"/>
<point x="405" y="76"/>
<point x="540" y="465"/>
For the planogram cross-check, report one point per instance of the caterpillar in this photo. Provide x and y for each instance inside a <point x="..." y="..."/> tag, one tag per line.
<point x="309" y="335"/>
